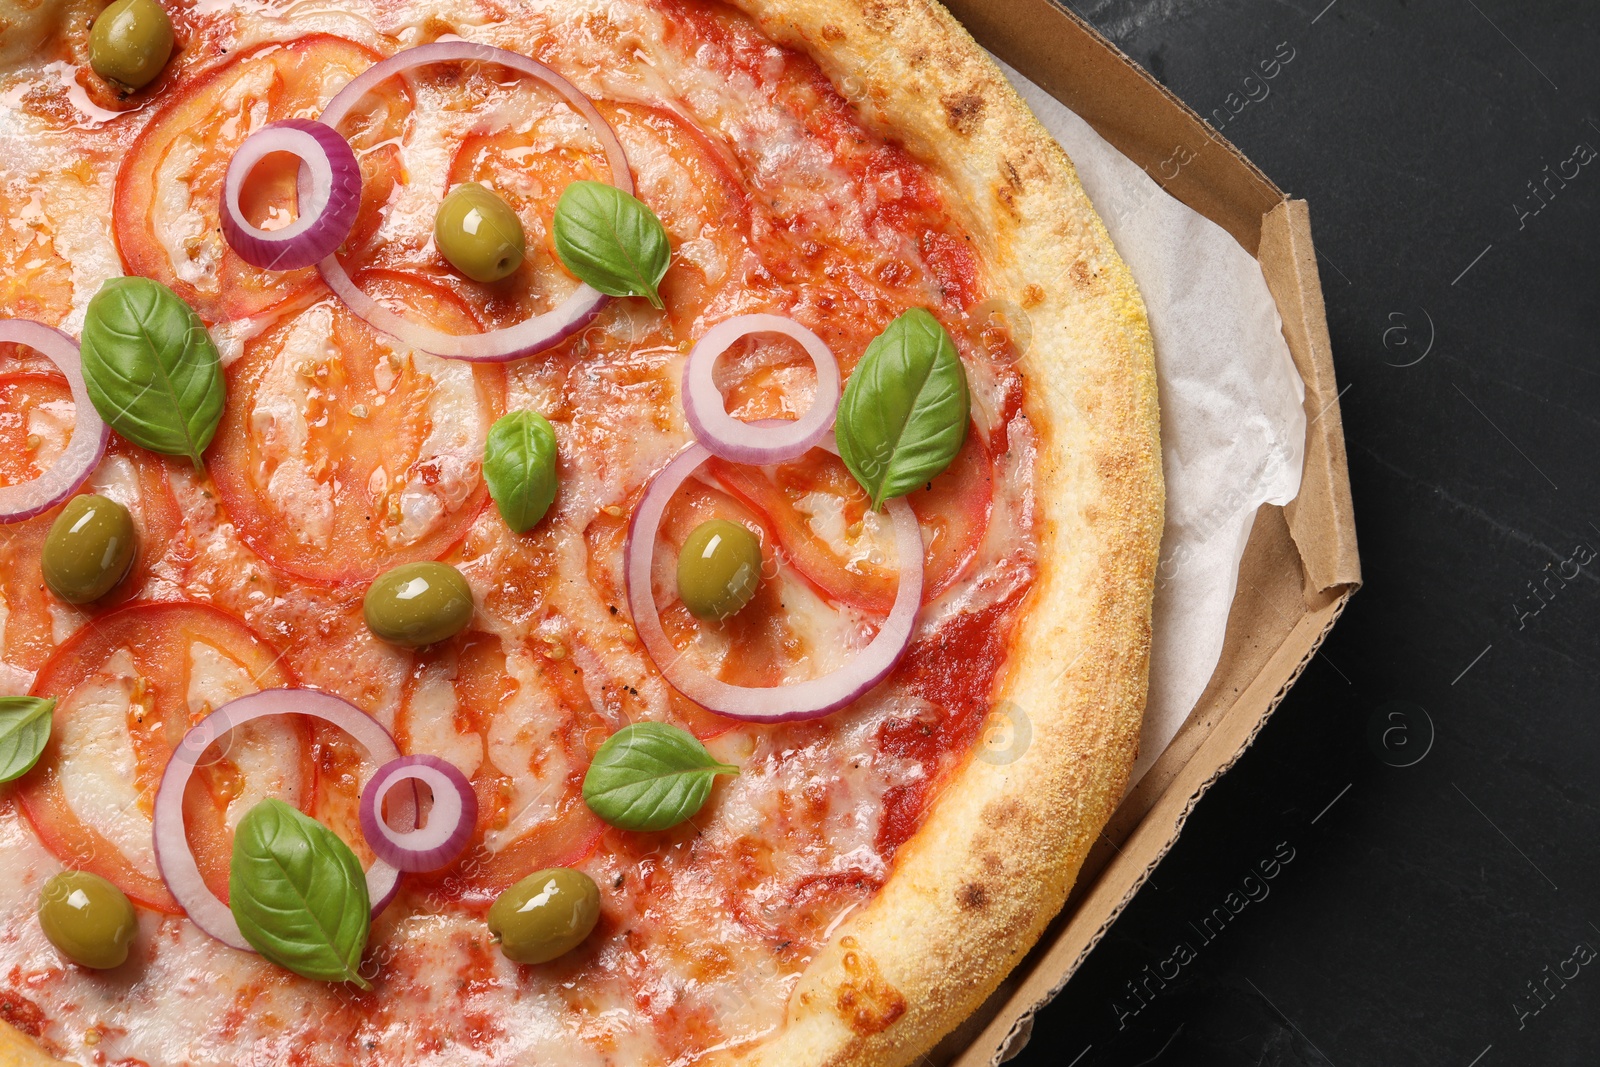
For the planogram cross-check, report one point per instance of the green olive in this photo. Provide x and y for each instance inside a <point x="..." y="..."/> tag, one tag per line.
<point x="545" y="915"/>
<point x="479" y="233"/>
<point x="130" y="42"/>
<point x="89" y="549"/>
<point x="417" y="604"/>
<point x="87" y="919"/>
<point x="719" y="568"/>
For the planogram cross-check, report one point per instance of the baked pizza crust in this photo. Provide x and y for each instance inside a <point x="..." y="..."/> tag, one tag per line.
<point x="974" y="887"/>
<point x="971" y="891"/>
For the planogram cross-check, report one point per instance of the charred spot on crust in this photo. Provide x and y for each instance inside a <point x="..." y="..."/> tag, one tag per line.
<point x="1013" y="175"/>
<point x="963" y="111"/>
<point x="972" y="897"/>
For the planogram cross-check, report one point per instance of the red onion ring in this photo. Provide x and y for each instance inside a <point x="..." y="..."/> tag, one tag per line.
<point x="742" y="442"/>
<point x="450" y="821"/>
<point x="330" y="195"/>
<point x="513" y="342"/>
<point x="176" y="861"/>
<point x="90" y="435"/>
<point x="810" y="699"/>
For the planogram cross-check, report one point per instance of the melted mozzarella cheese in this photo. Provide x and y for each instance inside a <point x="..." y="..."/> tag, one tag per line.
<point x="179" y="223"/>
<point x="65" y="620"/>
<point x="524" y="745"/>
<point x="869" y="544"/>
<point x="449" y="453"/>
<point x="432" y="723"/>
<point x="51" y="423"/>
<point x="14" y="679"/>
<point x="430" y="146"/>
<point x="278" y="422"/>
<point x="97" y="768"/>
<point x="83" y="238"/>
<point x="117" y="479"/>
<point x="24" y="24"/>
<point x="265" y="752"/>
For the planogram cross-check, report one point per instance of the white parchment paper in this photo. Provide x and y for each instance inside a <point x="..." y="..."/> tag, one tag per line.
<point x="1232" y="423"/>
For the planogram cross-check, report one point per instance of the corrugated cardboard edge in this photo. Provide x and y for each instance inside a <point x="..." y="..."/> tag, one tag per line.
<point x="1301" y="564"/>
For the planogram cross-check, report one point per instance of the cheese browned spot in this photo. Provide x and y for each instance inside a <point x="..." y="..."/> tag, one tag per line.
<point x="964" y="111"/>
<point x="867" y="1002"/>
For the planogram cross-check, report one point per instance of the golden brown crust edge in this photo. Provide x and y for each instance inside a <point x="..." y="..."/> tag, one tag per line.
<point x="974" y="887"/>
<point x="19" y="1050"/>
<point x="972" y="890"/>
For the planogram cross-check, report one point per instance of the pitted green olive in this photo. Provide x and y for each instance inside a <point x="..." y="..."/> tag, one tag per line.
<point x="130" y="42"/>
<point x="479" y="233"/>
<point x="89" y="549"/>
<point x="719" y="568"/>
<point x="545" y="915"/>
<point x="88" y="920"/>
<point x="417" y="604"/>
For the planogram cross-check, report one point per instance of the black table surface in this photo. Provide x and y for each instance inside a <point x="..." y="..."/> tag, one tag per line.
<point x="1403" y="869"/>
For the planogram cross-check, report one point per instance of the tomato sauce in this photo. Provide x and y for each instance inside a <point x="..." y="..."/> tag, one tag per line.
<point x="954" y="670"/>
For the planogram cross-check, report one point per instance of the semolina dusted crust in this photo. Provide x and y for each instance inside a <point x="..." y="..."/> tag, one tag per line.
<point x="999" y="850"/>
<point x="970" y="893"/>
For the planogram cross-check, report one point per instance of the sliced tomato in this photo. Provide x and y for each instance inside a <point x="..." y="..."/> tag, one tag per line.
<point x="128" y="686"/>
<point x="526" y="163"/>
<point x="527" y="751"/>
<point x="679" y="174"/>
<point x="687" y="181"/>
<point x="342" y="453"/>
<point x="36" y="417"/>
<point x="168" y="190"/>
<point x="820" y="519"/>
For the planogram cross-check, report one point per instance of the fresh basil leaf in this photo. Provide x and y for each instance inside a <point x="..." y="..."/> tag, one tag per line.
<point x="611" y="240"/>
<point x="649" y="776"/>
<point x="152" y="371"/>
<point x="24" y="731"/>
<point x="298" y="894"/>
<point x="904" y="413"/>
<point x="519" y="463"/>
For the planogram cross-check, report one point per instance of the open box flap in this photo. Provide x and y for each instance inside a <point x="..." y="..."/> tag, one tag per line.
<point x="1322" y="518"/>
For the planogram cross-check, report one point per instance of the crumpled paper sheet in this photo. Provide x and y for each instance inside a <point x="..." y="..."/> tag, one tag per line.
<point x="1233" y="425"/>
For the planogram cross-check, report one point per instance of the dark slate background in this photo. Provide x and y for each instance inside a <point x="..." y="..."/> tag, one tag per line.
<point x="1420" y="899"/>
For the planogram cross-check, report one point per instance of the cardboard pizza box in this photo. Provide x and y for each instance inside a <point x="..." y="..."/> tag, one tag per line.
<point x="1300" y="565"/>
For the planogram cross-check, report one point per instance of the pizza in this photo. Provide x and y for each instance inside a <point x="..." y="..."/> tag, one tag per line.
<point x="560" y="531"/>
